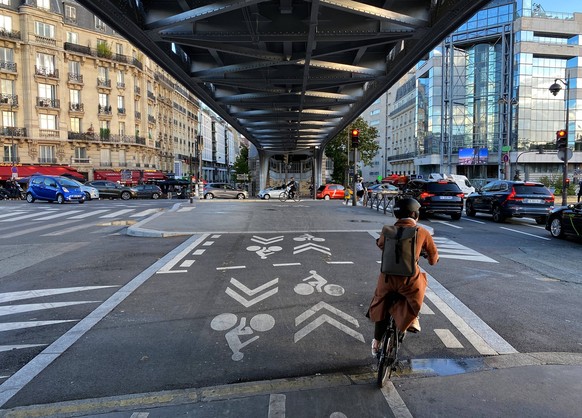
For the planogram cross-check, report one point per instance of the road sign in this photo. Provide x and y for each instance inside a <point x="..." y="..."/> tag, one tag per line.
<point x="563" y="152"/>
<point x="14" y="172"/>
<point x="505" y="158"/>
<point x="242" y="176"/>
<point x="506" y="148"/>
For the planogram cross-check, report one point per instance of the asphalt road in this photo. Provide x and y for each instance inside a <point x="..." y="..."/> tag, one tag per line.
<point x="261" y="292"/>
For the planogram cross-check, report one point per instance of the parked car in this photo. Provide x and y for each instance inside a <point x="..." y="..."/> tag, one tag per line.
<point x="382" y="188"/>
<point x="110" y="190"/>
<point x="436" y="197"/>
<point x="270" y="192"/>
<point x="223" y="190"/>
<point x="462" y="181"/>
<point x="54" y="189"/>
<point x="90" y="191"/>
<point x="565" y="220"/>
<point x="505" y="199"/>
<point x="330" y="191"/>
<point x="148" y="191"/>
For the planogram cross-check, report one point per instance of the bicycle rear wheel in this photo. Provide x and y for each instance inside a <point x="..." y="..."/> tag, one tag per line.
<point x="387" y="354"/>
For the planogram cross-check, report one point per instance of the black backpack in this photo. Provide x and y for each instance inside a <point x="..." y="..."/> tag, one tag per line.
<point x="399" y="254"/>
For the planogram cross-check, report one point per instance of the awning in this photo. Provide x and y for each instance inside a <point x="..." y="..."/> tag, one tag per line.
<point x="47" y="170"/>
<point x="129" y="176"/>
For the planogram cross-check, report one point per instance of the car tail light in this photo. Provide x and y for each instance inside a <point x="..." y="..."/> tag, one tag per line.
<point x="461" y="195"/>
<point x="549" y="199"/>
<point x="425" y="195"/>
<point x="512" y="197"/>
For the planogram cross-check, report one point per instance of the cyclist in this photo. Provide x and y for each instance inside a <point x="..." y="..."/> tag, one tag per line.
<point x="405" y="310"/>
<point x="292" y="187"/>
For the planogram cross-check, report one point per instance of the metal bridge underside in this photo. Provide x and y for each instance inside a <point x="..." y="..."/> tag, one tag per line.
<point x="290" y="74"/>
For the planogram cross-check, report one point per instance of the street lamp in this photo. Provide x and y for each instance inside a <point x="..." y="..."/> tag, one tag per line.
<point x="555" y="89"/>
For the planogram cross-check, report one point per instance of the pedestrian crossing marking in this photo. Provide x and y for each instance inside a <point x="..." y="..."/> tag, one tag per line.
<point x="86" y="215"/>
<point x="450" y="249"/>
<point x="116" y="214"/>
<point x="448" y="339"/>
<point x="56" y="215"/>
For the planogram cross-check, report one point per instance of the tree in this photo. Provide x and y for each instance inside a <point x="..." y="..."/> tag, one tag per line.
<point x="337" y="148"/>
<point x="241" y="164"/>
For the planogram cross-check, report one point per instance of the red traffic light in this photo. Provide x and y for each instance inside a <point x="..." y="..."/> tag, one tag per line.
<point x="562" y="139"/>
<point x="562" y="133"/>
<point x="355" y="132"/>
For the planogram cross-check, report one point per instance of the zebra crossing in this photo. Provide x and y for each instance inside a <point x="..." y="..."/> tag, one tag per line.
<point x="61" y="221"/>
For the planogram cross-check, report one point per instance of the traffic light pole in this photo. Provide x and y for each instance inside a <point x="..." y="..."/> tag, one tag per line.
<point x="565" y="167"/>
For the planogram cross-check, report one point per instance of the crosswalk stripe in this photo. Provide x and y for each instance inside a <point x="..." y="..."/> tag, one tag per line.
<point x="116" y="214"/>
<point x="40" y="293"/>
<point x="65" y="231"/>
<point x="36" y="229"/>
<point x="19" y="347"/>
<point x="6" y="215"/>
<point x="144" y="213"/>
<point x="448" y="339"/>
<point x="31" y="307"/>
<point x="10" y="326"/>
<point x="86" y="215"/>
<point x="56" y="215"/>
<point x="17" y="218"/>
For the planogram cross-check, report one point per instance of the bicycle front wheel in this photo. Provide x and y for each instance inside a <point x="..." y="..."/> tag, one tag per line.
<point x="283" y="197"/>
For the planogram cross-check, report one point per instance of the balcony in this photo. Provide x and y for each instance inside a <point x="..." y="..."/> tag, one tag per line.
<point x="46" y="72"/>
<point x="49" y="133"/>
<point x="137" y="115"/>
<point x="121" y="110"/>
<point x="47" y="160"/>
<point x="81" y="49"/>
<point x="104" y="110"/>
<point x="81" y="136"/>
<point x="76" y="107"/>
<point x="103" y="83"/>
<point x="137" y="90"/>
<point x="15" y="160"/>
<point x="12" y="131"/>
<point x="75" y="78"/>
<point x="44" y="40"/>
<point x="151" y="120"/>
<point x="151" y="96"/>
<point x="8" y="66"/>
<point x="9" y="99"/>
<point x="120" y="85"/>
<point x="48" y="102"/>
<point x="13" y="34"/>
<point x="80" y="160"/>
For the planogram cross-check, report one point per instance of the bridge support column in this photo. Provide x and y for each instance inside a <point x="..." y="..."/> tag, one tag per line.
<point x="263" y="169"/>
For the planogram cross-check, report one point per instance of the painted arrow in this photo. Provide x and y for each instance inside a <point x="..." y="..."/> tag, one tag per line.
<point x="251" y="292"/>
<point x="266" y="241"/>
<point x="326" y="318"/>
<point x="311" y="246"/>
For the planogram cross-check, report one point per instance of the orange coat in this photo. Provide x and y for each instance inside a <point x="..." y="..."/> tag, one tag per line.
<point x="412" y="288"/>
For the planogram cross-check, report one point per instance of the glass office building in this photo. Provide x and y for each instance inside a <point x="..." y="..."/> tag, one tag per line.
<point x="482" y="104"/>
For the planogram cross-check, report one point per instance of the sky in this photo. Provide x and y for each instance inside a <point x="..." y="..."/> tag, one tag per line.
<point x="560" y="5"/>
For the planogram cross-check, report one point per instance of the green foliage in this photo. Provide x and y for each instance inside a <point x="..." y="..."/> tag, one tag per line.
<point x="337" y="149"/>
<point x="241" y="164"/>
<point x="103" y="50"/>
<point x="555" y="183"/>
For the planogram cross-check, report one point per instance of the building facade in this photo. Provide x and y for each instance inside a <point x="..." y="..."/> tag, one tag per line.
<point x="75" y="93"/>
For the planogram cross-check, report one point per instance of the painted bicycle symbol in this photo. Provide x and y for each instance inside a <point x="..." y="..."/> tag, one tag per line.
<point x="308" y="237"/>
<point x="264" y="252"/>
<point x="316" y="282"/>
<point x="225" y="321"/>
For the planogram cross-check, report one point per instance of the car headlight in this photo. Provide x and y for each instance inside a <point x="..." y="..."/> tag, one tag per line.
<point x="65" y="190"/>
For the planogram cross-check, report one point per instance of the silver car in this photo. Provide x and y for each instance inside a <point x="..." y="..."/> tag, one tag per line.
<point x="223" y="190"/>
<point x="90" y="191"/>
<point x="270" y="192"/>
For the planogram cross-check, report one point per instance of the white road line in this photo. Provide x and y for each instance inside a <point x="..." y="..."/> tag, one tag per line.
<point x="198" y="252"/>
<point x="116" y="214"/>
<point x="66" y="230"/>
<point x="208" y="243"/>
<point x="33" y="368"/>
<point x="186" y="209"/>
<point x="187" y="263"/>
<point x="168" y="266"/>
<point x="86" y="215"/>
<point x="425" y="310"/>
<point x="144" y="213"/>
<point x="395" y="402"/>
<point x="18" y="347"/>
<point x="473" y="220"/>
<point x="36" y="229"/>
<point x="449" y="224"/>
<point x="276" y="405"/>
<point x="171" y="271"/>
<point x="10" y="326"/>
<point x="448" y="339"/>
<point x="140" y="415"/>
<point x="215" y="236"/>
<point x="40" y="293"/>
<point x="17" y="218"/>
<point x="286" y="264"/>
<point x="6" y="215"/>
<point x="473" y="328"/>
<point x="525" y="233"/>
<point x="32" y="307"/>
<point x="231" y="268"/>
<point x="56" y="215"/>
<point x="340" y="262"/>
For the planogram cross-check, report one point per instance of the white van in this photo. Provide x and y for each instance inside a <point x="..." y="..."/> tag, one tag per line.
<point x="462" y="181"/>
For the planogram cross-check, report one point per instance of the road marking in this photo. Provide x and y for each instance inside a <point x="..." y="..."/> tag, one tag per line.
<point x="473" y="220"/>
<point x="116" y="214"/>
<point x="425" y="310"/>
<point x="187" y="263"/>
<point x="166" y="268"/>
<point x="326" y="318"/>
<point x="276" y="405"/>
<point x="449" y="224"/>
<point x="10" y="326"/>
<point x="395" y="402"/>
<point x="451" y="249"/>
<point x="198" y="252"/>
<point x="140" y="415"/>
<point x="525" y="233"/>
<point x="31" y="307"/>
<point x="33" y="368"/>
<point x="208" y="243"/>
<point x="448" y="339"/>
<point x="19" y="347"/>
<point x="251" y="292"/>
<point x="286" y="264"/>
<point x="144" y="213"/>
<point x="29" y="294"/>
<point x="339" y="262"/>
<point x="186" y="209"/>
<point x="473" y="328"/>
<point x="66" y="230"/>
<point x="86" y="215"/>
<point x="56" y="215"/>
<point x="6" y="215"/>
<point x="36" y="229"/>
<point x="17" y="218"/>
<point x="231" y="268"/>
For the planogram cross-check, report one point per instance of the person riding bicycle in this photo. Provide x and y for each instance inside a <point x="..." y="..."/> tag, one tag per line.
<point x="292" y="187"/>
<point x="406" y="309"/>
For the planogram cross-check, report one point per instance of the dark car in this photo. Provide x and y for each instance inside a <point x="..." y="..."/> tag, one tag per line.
<point x="565" y="220"/>
<point x="505" y="199"/>
<point x="385" y="188"/>
<point x="436" y="197"/>
<point x="110" y="190"/>
<point x="148" y="191"/>
<point x="54" y="189"/>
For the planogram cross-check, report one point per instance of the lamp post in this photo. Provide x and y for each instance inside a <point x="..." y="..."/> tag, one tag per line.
<point x="555" y="89"/>
<point x="200" y="144"/>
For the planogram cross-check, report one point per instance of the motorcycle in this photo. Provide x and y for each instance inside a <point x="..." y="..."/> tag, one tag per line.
<point x="12" y="193"/>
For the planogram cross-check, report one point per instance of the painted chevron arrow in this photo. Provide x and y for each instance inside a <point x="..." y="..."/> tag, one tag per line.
<point x="265" y="241"/>
<point x="311" y="246"/>
<point x="251" y="292"/>
<point x="326" y="318"/>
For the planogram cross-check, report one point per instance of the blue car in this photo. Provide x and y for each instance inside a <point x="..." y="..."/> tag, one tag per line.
<point x="54" y="189"/>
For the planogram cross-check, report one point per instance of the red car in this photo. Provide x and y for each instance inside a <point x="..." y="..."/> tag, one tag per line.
<point x="330" y="191"/>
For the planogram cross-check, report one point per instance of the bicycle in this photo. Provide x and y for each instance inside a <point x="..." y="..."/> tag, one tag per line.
<point x="288" y="195"/>
<point x="389" y="345"/>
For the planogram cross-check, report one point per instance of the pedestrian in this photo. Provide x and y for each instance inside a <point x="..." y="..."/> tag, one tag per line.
<point x="405" y="311"/>
<point x="579" y="191"/>
<point x="359" y="190"/>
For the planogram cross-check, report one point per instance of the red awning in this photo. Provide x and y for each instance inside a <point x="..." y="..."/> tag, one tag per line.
<point x="47" y="170"/>
<point x="134" y="177"/>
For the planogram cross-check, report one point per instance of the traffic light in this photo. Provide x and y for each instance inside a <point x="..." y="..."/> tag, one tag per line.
<point x="562" y="139"/>
<point x="355" y="133"/>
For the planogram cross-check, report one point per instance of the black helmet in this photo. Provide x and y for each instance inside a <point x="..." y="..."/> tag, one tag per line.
<point x="406" y="208"/>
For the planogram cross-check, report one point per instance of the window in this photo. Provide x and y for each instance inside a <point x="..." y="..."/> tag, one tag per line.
<point x="7" y="86"/>
<point x="121" y="102"/>
<point x="375" y="112"/>
<point x="46" y="62"/>
<point x="75" y="125"/>
<point x="103" y="100"/>
<point x="81" y="153"/>
<point x="120" y="79"/>
<point x="44" y="29"/>
<point x="70" y="14"/>
<point x="6" y="23"/>
<point x="46" y="154"/>
<point x="119" y="49"/>
<point x="6" y="55"/>
<point x="47" y="91"/>
<point x="47" y="121"/>
<point x="8" y="118"/>
<point x="75" y="67"/>
<point x="72" y="37"/>
<point x="43" y="4"/>
<point x="121" y="128"/>
<point x="10" y="153"/>
<point x="75" y="97"/>
<point x="103" y="73"/>
<point x="99" y="25"/>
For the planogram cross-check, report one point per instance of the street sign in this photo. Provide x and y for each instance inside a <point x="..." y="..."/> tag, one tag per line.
<point x="14" y="171"/>
<point x="242" y="176"/>
<point x="505" y="158"/>
<point x="506" y="148"/>
<point x="563" y="152"/>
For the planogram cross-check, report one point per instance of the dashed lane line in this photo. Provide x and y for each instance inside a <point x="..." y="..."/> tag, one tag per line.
<point x="525" y="233"/>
